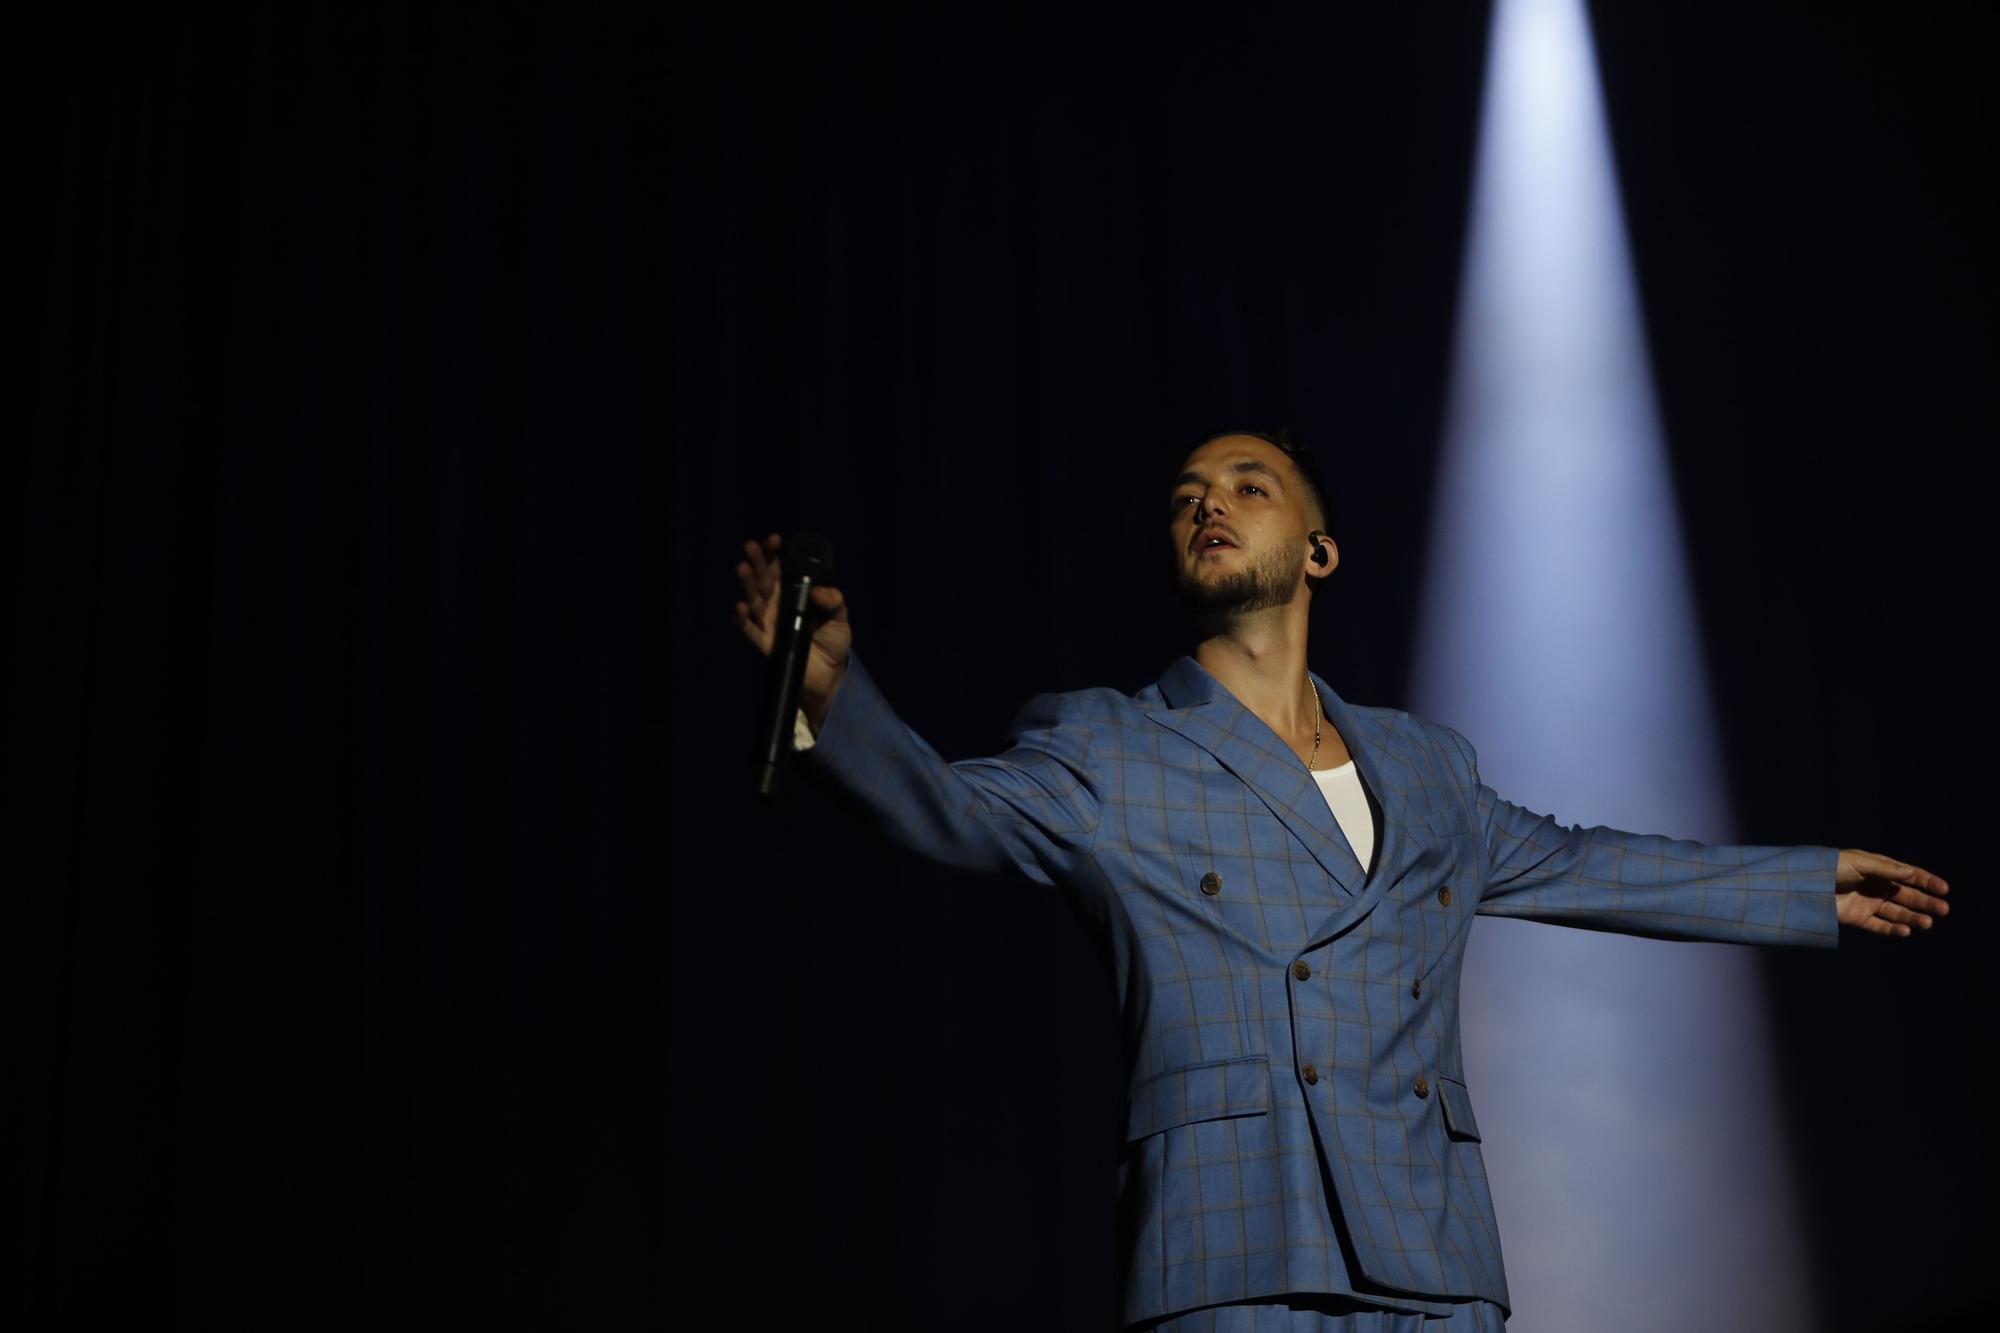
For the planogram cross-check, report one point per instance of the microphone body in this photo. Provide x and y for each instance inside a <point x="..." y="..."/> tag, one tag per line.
<point x="808" y="563"/>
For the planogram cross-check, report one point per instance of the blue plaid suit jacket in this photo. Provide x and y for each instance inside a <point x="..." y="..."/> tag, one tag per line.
<point x="1292" y="1020"/>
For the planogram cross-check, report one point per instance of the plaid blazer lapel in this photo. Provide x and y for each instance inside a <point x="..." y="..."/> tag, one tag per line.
<point x="1201" y="708"/>
<point x="1372" y="739"/>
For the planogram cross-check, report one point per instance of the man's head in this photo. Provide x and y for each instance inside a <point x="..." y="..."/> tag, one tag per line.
<point x="1260" y="495"/>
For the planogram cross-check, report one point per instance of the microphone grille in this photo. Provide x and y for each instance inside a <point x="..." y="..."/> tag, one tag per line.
<point x="808" y="555"/>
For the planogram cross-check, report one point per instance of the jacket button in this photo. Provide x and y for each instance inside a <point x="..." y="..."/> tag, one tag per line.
<point x="1423" y="1089"/>
<point x="1417" y="986"/>
<point x="1312" y="1075"/>
<point x="1211" y="883"/>
<point x="1301" y="969"/>
<point x="1444" y="894"/>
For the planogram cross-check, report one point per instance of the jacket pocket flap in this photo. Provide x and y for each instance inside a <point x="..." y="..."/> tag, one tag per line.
<point x="1457" y="1109"/>
<point x="1239" y="1086"/>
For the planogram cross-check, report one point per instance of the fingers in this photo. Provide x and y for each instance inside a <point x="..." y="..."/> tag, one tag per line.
<point x="757" y="574"/>
<point x="1902" y="916"/>
<point x="765" y="567"/>
<point x="760" y="572"/>
<point x="1888" y="867"/>
<point x="1908" y="894"/>
<point x="1906" y="910"/>
<point x="829" y="603"/>
<point x="1920" y="901"/>
<point x="752" y="627"/>
<point x="1917" y="877"/>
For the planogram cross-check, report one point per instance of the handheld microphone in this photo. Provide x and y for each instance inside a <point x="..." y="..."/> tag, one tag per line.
<point x="808" y="563"/>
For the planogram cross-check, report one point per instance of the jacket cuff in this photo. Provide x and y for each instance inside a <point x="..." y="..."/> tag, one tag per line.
<point x="855" y="696"/>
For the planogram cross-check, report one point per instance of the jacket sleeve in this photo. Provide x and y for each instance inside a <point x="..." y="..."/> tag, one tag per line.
<point x="1644" y="884"/>
<point x="1032" y="810"/>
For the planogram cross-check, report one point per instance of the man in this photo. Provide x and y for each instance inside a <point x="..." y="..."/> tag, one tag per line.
<point x="1287" y="882"/>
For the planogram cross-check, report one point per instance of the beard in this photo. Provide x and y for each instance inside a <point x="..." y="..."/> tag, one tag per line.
<point x="1269" y="580"/>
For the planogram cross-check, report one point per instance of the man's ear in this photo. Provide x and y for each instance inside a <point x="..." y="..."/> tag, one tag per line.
<point x="1325" y="555"/>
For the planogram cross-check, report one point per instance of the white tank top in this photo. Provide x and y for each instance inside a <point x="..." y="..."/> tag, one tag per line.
<point x="1349" y="803"/>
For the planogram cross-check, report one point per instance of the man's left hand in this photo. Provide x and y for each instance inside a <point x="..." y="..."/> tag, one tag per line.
<point x="1884" y="895"/>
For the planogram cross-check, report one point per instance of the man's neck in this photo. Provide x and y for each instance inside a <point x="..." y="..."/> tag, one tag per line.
<point x="1261" y="659"/>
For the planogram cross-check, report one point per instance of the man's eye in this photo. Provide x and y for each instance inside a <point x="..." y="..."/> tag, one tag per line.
<point x="1253" y="486"/>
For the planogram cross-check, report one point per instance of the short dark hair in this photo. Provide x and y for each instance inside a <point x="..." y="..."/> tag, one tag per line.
<point x="1294" y="450"/>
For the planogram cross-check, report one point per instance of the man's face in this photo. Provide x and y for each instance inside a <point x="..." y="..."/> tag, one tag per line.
<point x="1242" y="490"/>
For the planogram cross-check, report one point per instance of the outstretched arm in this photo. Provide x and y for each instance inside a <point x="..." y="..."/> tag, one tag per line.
<point x="1032" y="810"/>
<point x="1603" y="878"/>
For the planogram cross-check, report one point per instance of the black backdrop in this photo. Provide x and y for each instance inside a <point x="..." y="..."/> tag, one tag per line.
<point x="396" y="938"/>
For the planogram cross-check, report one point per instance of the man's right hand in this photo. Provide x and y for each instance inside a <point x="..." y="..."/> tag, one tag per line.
<point x="757" y="614"/>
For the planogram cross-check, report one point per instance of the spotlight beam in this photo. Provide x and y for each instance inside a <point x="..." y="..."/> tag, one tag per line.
<point x="1632" y="1135"/>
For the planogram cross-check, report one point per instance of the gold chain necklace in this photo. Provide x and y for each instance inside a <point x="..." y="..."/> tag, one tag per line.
<point x="1319" y="715"/>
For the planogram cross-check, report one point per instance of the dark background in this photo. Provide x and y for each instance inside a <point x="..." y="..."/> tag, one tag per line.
<point x="396" y="938"/>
